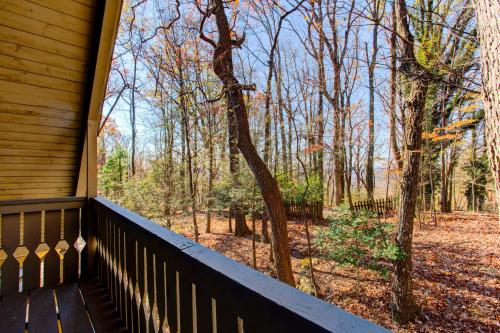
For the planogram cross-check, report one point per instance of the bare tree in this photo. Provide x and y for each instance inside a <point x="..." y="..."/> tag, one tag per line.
<point x="224" y="69"/>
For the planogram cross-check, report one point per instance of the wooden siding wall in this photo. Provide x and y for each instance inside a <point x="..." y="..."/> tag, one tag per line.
<point x="45" y="50"/>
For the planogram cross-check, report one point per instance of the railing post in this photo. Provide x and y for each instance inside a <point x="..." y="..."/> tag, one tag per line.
<point x="89" y="234"/>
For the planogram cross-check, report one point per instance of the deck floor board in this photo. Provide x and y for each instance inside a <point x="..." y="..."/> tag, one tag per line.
<point x="13" y="313"/>
<point x="74" y="316"/>
<point x="42" y="316"/>
<point x="77" y="315"/>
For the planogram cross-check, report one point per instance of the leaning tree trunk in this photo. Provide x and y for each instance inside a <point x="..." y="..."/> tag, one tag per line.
<point x="240" y="225"/>
<point x="488" y="21"/>
<point x="416" y="79"/>
<point x="223" y="68"/>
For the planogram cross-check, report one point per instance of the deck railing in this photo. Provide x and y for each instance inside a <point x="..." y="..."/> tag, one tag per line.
<point x="161" y="281"/>
<point x="157" y="281"/>
<point x="40" y="243"/>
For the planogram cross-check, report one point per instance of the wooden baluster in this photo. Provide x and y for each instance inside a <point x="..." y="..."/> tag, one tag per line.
<point x="173" y="306"/>
<point x="120" y="305"/>
<point x="140" y="292"/>
<point x="129" y="254"/>
<point x="154" y="321"/>
<point x="114" y="262"/>
<point x="52" y="237"/>
<point x="108" y="252"/>
<point x="160" y="282"/>
<point x="101" y="249"/>
<point x="32" y="237"/>
<point x="164" y="294"/>
<point x="133" y="282"/>
<point x="204" y="310"/>
<point x="71" y="232"/>
<point x="186" y="302"/>
<point x="124" y="278"/>
<point x="227" y="320"/>
<point x="148" y="290"/>
<point x="9" y="241"/>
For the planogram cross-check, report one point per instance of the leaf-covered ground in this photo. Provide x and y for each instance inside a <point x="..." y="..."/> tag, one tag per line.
<point x="456" y="272"/>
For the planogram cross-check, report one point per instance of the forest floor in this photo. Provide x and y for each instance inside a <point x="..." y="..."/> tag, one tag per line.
<point x="456" y="271"/>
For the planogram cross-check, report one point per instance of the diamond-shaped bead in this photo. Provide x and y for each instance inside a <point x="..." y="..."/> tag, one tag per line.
<point x="61" y="248"/>
<point x="120" y="273"/>
<point x="3" y="257"/>
<point x="138" y="299"/>
<point x="164" y="327"/>
<point x="80" y="244"/>
<point x="131" y="288"/>
<point x="42" y="250"/>
<point x="156" y="318"/>
<point x="125" y="279"/>
<point x="146" y="306"/>
<point x="21" y="253"/>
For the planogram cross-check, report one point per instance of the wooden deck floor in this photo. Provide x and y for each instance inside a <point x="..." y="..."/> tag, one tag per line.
<point x="69" y="308"/>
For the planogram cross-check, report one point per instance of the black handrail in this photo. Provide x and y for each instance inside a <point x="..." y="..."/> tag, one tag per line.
<point x="197" y="288"/>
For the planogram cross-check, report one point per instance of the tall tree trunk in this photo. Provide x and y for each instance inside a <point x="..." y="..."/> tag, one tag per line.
<point x="223" y="68"/>
<point x="240" y="225"/>
<point x="133" y="118"/>
<point x="370" y="178"/>
<point x="281" y="118"/>
<point x="168" y="165"/>
<point x="210" y="125"/>
<point x="488" y="21"/>
<point x="393" y="92"/>
<point x="185" y="126"/>
<point x="267" y="145"/>
<point x="403" y="303"/>
<point x="322" y="89"/>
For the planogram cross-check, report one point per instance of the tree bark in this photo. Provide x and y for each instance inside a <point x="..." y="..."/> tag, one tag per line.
<point x="488" y="21"/>
<point x="240" y="226"/>
<point x="223" y="68"/>
<point x="393" y="92"/>
<point x="370" y="178"/>
<point x="403" y="303"/>
<point x="210" y="125"/>
<point x="133" y="118"/>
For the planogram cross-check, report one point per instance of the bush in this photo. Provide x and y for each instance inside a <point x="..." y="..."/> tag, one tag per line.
<point x="113" y="174"/>
<point x="246" y="196"/>
<point x="294" y="191"/>
<point x="358" y="239"/>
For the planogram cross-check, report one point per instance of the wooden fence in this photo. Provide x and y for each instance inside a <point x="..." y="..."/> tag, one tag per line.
<point x="307" y="209"/>
<point x="380" y="206"/>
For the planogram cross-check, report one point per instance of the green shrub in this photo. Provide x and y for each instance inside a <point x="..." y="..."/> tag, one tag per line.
<point x="294" y="190"/>
<point x="359" y="240"/>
